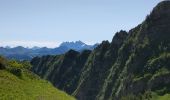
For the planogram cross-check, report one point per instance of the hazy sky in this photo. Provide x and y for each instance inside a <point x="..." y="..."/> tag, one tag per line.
<point x="50" y="22"/>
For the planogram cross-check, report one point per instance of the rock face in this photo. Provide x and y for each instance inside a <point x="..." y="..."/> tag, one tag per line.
<point x="131" y="67"/>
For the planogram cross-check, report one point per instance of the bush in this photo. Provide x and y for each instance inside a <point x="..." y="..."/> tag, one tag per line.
<point x="2" y="66"/>
<point x="26" y="64"/>
<point x="2" y="63"/>
<point x="14" y="64"/>
<point x="16" y="71"/>
<point x="15" y="68"/>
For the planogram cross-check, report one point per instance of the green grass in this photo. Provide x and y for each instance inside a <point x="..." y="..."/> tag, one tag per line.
<point x="147" y="96"/>
<point x="157" y="97"/>
<point x="28" y="87"/>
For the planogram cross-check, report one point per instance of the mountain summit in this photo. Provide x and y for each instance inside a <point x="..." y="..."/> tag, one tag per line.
<point x="77" y="45"/>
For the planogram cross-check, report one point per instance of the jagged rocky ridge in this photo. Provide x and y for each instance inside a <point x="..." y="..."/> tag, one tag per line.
<point x="133" y="66"/>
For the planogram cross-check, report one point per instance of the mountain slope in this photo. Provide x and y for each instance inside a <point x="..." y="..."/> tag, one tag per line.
<point x="17" y="83"/>
<point x="97" y="67"/>
<point x="62" y="70"/>
<point x="137" y="57"/>
<point x="134" y="66"/>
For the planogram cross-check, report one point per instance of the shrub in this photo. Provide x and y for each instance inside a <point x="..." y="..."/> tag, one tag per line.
<point x="2" y="63"/>
<point x="26" y="64"/>
<point x="15" y="67"/>
<point x="14" y="64"/>
<point x="16" y="71"/>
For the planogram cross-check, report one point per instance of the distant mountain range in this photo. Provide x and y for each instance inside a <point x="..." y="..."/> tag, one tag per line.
<point x="22" y="53"/>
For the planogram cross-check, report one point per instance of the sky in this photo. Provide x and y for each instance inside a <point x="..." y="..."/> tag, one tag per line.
<point x="49" y="22"/>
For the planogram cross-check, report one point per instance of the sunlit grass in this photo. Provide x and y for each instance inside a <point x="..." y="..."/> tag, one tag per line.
<point x="28" y="87"/>
<point x="163" y="97"/>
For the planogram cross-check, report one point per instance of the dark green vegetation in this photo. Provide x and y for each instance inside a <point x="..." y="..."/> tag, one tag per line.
<point x="64" y="70"/>
<point x="134" y="66"/>
<point x="18" y="83"/>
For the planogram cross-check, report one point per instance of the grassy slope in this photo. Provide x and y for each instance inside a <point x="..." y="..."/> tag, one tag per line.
<point x="157" y="97"/>
<point x="28" y="87"/>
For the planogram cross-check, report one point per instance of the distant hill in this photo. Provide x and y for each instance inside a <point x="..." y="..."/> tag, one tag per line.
<point x="22" y="53"/>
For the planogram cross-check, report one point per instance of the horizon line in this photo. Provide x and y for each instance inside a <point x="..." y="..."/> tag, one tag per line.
<point x="31" y="44"/>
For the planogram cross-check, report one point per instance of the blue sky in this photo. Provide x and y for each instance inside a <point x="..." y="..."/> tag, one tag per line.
<point x="50" y="22"/>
